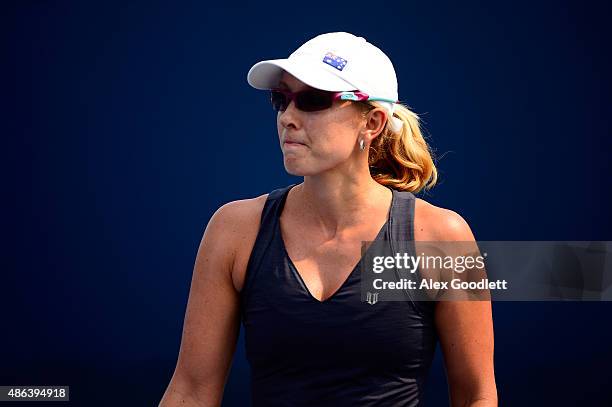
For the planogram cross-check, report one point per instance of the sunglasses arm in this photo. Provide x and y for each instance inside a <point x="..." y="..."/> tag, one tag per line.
<point x="358" y="96"/>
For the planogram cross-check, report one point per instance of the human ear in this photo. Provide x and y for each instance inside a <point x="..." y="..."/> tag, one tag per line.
<point x="375" y="121"/>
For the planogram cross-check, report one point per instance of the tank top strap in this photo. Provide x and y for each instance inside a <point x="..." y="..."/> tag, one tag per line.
<point x="402" y="216"/>
<point x="265" y="236"/>
<point x="402" y="241"/>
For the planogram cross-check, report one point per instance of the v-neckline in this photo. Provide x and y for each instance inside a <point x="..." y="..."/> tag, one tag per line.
<point x="295" y="270"/>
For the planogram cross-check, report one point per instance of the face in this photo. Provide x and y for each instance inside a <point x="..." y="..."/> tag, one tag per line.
<point x="313" y="142"/>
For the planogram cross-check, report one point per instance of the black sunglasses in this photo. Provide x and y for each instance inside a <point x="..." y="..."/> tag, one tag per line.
<point x="311" y="100"/>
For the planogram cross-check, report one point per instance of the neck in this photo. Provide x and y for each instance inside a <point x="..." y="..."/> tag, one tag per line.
<point x="336" y="203"/>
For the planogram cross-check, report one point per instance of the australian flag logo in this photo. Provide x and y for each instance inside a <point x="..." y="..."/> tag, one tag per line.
<point x="334" y="60"/>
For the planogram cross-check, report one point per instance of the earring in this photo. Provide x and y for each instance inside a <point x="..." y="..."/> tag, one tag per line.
<point x="361" y="145"/>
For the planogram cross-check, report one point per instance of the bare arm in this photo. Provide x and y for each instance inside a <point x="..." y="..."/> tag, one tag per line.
<point x="465" y="330"/>
<point x="212" y="319"/>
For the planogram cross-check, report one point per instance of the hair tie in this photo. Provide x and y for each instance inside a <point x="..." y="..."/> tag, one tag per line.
<point x="395" y="124"/>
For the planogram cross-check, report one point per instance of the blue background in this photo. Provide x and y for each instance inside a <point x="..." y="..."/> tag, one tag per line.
<point x="125" y="126"/>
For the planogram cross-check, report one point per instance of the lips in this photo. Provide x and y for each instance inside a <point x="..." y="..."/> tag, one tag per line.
<point x="290" y="141"/>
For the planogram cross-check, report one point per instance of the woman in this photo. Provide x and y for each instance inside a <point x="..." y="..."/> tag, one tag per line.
<point x="285" y="263"/>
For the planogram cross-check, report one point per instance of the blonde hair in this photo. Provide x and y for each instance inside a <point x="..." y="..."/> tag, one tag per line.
<point x="402" y="161"/>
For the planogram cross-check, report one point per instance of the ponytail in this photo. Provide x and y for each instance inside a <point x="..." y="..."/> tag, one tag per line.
<point x="402" y="161"/>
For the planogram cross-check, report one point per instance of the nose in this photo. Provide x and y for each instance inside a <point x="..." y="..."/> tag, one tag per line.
<point x="289" y="117"/>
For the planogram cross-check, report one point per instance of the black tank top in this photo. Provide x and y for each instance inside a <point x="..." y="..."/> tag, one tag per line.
<point x="340" y="351"/>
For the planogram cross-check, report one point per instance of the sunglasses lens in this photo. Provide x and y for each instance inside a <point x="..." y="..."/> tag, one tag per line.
<point x="306" y="101"/>
<point x="311" y="101"/>
<point x="279" y="100"/>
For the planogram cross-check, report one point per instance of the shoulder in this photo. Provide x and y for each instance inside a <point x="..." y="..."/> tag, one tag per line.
<point x="440" y="224"/>
<point x="237" y="223"/>
<point x="240" y="209"/>
<point x="234" y="217"/>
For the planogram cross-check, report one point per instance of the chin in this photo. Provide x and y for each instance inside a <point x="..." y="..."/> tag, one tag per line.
<point x="295" y="171"/>
<point x="294" y="168"/>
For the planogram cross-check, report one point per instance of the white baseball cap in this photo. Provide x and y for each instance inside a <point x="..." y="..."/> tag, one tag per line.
<point x="337" y="61"/>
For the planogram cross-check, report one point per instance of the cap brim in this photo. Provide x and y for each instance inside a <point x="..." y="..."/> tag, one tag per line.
<point x="267" y="74"/>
